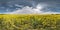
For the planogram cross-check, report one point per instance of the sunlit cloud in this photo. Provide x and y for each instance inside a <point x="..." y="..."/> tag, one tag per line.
<point x="30" y="7"/>
<point x="31" y="10"/>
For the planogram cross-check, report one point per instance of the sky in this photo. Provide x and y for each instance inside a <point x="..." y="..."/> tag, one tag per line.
<point x="29" y="6"/>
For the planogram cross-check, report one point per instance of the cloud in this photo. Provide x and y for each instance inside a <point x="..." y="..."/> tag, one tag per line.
<point x="31" y="10"/>
<point x="29" y="6"/>
<point x="28" y="10"/>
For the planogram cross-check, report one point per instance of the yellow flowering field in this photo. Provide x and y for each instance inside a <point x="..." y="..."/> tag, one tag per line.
<point x="29" y="22"/>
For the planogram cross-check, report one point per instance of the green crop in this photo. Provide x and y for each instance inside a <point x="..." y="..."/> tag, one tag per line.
<point x="30" y="22"/>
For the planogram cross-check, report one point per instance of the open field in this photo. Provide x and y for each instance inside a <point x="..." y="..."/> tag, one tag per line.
<point x="30" y="22"/>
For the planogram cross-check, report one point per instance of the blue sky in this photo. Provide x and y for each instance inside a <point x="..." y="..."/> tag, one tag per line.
<point x="29" y="6"/>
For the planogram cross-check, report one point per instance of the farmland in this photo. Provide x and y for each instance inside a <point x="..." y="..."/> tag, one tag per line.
<point x="30" y="22"/>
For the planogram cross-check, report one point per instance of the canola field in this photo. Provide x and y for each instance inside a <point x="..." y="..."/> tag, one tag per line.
<point x="30" y="22"/>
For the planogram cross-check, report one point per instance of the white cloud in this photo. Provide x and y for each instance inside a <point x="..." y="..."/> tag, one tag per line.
<point x="27" y="10"/>
<point x="18" y="5"/>
<point x="31" y="10"/>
